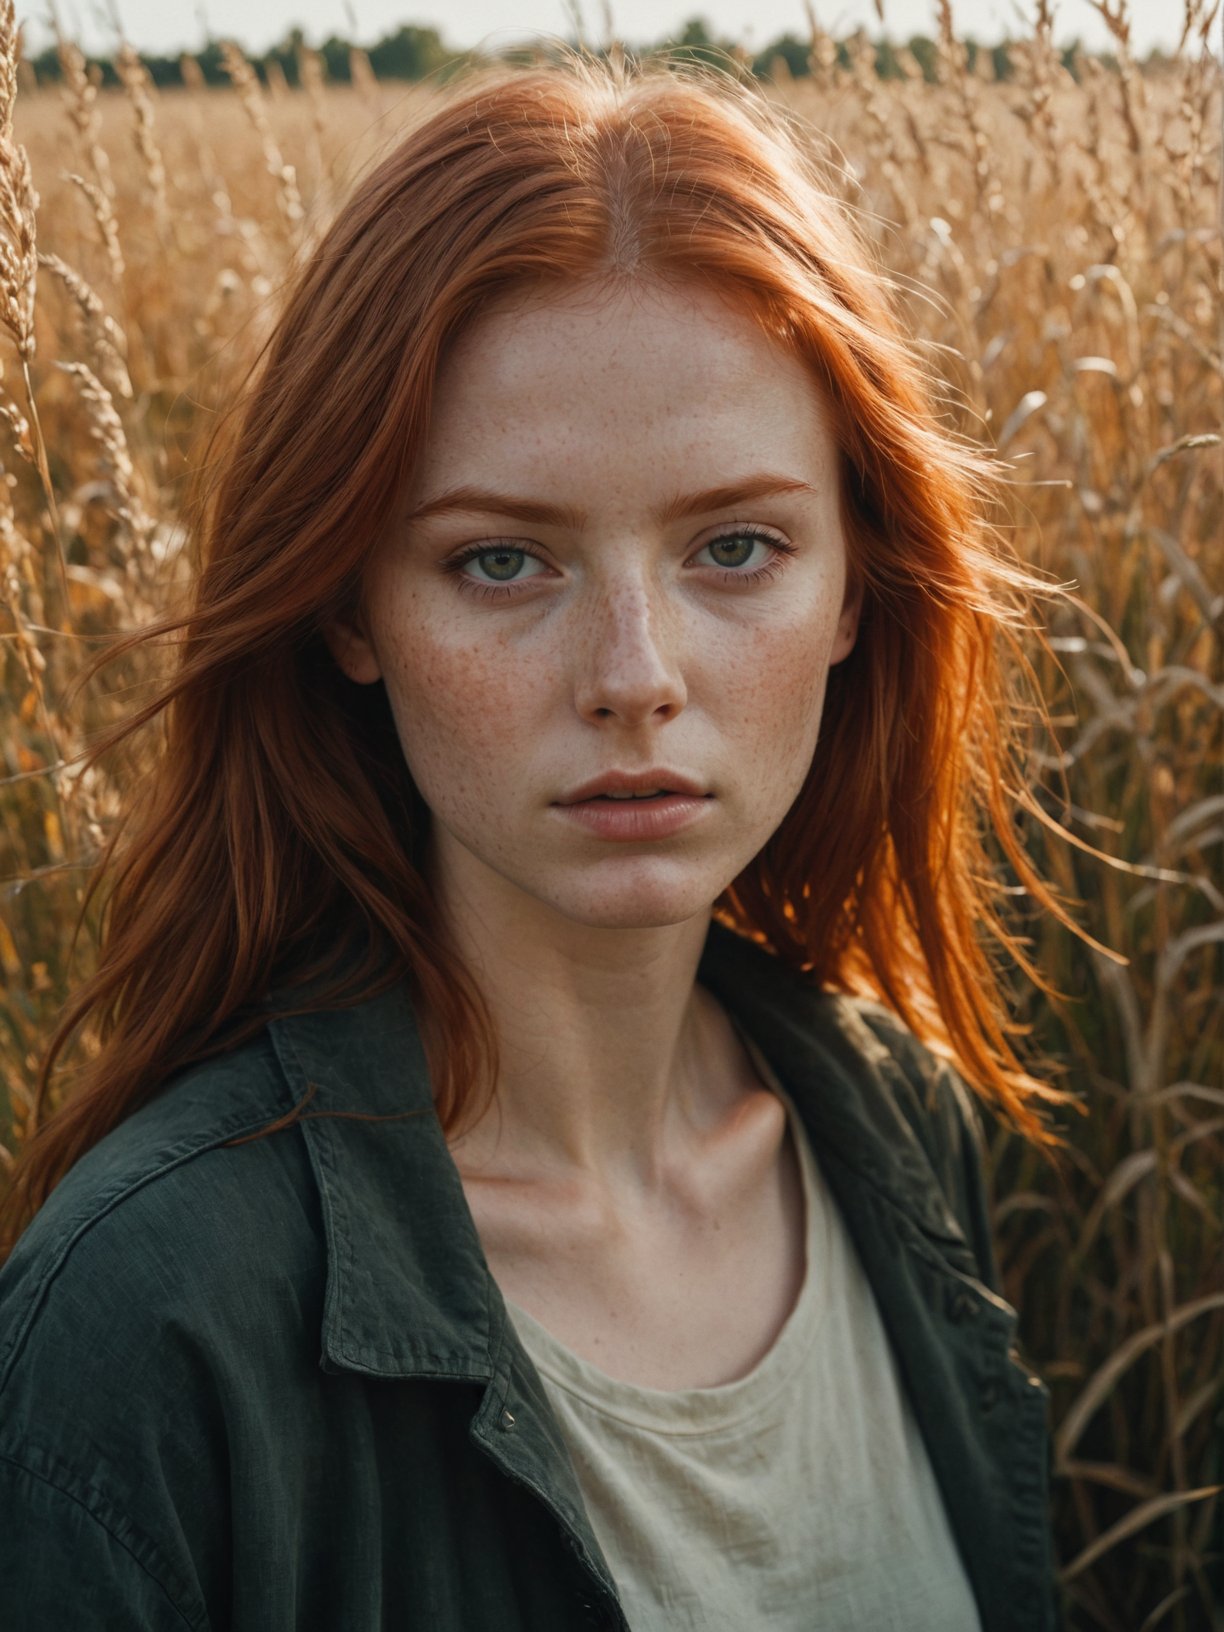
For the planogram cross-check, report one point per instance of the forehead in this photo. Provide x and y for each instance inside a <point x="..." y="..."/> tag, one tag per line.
<point x="647" y="372"/>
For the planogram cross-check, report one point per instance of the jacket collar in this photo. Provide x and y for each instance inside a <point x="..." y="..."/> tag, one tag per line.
<point x="409" y="1291"/>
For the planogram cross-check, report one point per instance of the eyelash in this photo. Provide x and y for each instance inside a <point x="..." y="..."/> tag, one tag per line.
<point x="501" y="592"/>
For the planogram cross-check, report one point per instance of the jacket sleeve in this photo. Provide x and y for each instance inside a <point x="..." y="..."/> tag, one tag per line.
<point x="66" y="1562"/>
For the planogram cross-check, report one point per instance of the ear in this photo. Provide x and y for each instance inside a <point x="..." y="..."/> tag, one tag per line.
<point x="352" y="649"/>
<point x="848" y="623"/>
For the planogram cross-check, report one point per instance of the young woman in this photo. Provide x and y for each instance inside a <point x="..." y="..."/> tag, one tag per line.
<point x="528" y="1178"/>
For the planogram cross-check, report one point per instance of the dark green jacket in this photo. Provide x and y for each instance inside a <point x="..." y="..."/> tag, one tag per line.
<point x="272" y="1384"/>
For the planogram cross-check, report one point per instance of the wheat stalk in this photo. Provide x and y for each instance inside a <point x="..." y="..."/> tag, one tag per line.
<point x="104" y="338"/>
<point x="137" y="84"/>
<point x="246" y="83"/>
<point x="1116" y="18"/>
<point x="822" y="51"/>
<point x="107" y="430"/>
<point x="18" y="205"/>
<point x="80" y="96"/>
<point x="103" y="212"/>
<point x="19" y="268"/>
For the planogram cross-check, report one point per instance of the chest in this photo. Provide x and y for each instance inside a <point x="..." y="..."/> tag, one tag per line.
<point x="666" y="1299"/>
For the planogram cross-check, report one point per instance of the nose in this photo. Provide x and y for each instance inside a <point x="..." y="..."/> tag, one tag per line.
<point x="628" y="659"/>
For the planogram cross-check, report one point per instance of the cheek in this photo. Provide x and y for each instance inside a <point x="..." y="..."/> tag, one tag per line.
<point x="774" y="690"/>
<point x="459" y="719"/>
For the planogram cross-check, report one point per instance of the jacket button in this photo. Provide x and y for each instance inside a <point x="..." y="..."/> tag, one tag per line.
<point x="990" y="1397"/>
<point x="507" y="1421"/>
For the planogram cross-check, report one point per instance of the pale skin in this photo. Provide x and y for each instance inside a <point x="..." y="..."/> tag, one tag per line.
<point x="636" y="1179"/>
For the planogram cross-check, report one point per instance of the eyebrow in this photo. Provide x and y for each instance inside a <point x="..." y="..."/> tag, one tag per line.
<point x="484" y="501"/>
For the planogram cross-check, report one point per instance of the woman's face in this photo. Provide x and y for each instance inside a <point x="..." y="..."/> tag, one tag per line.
<point x="621" y="558"/>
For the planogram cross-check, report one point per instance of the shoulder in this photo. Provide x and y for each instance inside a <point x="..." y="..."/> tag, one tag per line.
<point x="929" y="1091"/>
<point x="165" y="1279"/>
<point x="931" y="1101"/>
<point x="167" y="1231"/>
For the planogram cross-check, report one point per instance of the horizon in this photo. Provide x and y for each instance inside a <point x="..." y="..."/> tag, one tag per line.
<point x="167" y="30"/>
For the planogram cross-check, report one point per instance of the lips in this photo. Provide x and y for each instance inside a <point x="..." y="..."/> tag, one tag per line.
<point x="636" y="807"/>
<point x="623" y="786"/>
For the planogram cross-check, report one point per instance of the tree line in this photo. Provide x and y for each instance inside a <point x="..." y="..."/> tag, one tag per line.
<point x="414" y="52"/>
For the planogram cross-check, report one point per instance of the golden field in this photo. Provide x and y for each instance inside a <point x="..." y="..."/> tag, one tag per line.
<point x="1056" y="245"/>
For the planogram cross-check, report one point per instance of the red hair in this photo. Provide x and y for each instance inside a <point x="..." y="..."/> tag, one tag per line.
<point x="278" y="838"/>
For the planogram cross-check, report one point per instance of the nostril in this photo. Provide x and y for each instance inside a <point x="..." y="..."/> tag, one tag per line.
<point x="631" y="692"/>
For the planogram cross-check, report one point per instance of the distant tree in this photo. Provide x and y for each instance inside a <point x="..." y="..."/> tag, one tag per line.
<point x="925" y="54"/>
<point x="793" y="51"/>
<point x="286" y="55"/>
<point x="45" y="65"/>
<point x="696" y="32"/>
<point x="336" y="59"/>
<point x="163" y="71"/>
<point x="211" y="65"/>
<point x="409" y="53"/>
<point x="413" y="52"/>
<point x="695" y="43"/>
<point x="886" y="64"/>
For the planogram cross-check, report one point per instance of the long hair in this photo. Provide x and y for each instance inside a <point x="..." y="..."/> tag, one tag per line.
<point x="278" y="840"/>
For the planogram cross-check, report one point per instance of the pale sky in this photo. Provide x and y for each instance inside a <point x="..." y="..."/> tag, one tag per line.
<point x="172" y="25"/>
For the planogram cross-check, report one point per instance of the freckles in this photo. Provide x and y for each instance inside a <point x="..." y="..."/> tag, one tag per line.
<point x="779" y="687"/>
<point x="448" y="694"/>
<point x="467" y="713"/>
<point x="782" y="665"/>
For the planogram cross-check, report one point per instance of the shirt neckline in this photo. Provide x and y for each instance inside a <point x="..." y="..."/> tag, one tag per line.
<point x="690" y="1411"/>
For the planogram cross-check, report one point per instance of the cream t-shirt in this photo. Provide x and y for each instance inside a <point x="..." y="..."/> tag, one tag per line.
<point x="798" y="1498"/>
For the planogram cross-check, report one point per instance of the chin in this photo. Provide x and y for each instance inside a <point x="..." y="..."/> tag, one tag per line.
<point x="651" y="898"/>
<point x="633" y="916"/>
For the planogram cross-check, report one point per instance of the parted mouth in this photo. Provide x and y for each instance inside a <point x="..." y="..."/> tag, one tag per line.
<point x="636" y="785"/>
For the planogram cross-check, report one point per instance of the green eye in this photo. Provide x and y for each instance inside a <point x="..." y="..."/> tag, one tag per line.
<point x="735" y="550"/>
<point x="500" y="566"/>
<point x="737" y="555"/>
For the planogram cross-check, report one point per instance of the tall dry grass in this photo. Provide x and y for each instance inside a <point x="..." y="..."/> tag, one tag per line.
<point x="1058" y="248"/>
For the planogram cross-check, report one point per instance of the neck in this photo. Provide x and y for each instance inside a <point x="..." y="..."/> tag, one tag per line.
<point x="611" y="1058"/>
